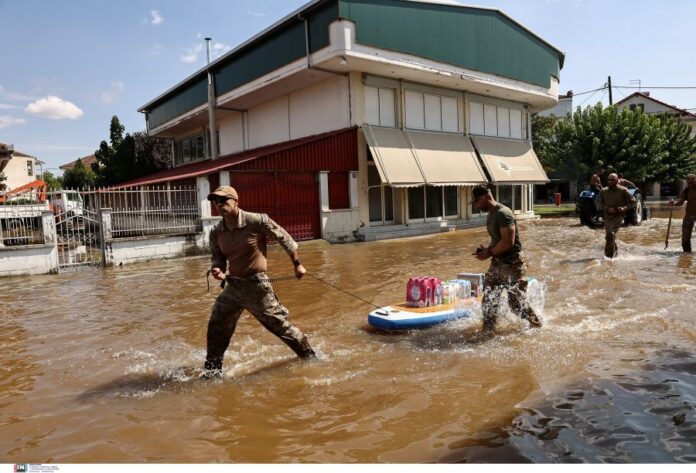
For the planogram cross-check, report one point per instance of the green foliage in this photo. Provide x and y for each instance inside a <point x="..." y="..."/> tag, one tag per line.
<point x="78" y="177"/>
<point x="645" y="148"/>
<point x="130" y="156"/>
<point x="52" y="181"/>
<point x="3" y="178"/>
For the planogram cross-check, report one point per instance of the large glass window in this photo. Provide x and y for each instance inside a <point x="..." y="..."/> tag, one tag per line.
<point x="381" y="203"/>
<point x="432" y="202"/>
<point x="190" y="149"/>
<point x="505" y="196"/>
<point x="492" y="120"/>
<point x="380" y="106"/>
<point x="431" y="112"/>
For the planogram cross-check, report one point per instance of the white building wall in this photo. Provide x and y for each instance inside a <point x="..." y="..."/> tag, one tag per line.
<point x="231" y="134"/>
<point x="320" y="108"/>
<point x="269" y="123"/>
<point x="16" y="172"/>
<point x="650" y="106"/>
<point x="563" y="108"/>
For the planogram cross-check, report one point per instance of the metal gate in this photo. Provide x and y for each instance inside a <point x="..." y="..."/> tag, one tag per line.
<point x="78" y="231"/>
<point x="289" y="198"/>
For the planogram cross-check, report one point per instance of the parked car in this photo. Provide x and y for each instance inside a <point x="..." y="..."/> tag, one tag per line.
<point x="590" y="215"/>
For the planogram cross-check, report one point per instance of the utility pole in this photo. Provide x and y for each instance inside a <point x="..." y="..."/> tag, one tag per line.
<point x="611" y="101"/>
<point x="211" y="108"/>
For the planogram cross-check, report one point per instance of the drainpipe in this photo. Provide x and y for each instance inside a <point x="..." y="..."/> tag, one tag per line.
<point x="321" y="69"/>
<point x="211" y="107"/>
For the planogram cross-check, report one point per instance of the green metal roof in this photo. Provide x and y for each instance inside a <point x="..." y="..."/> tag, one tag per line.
<point x="476" y="38"/>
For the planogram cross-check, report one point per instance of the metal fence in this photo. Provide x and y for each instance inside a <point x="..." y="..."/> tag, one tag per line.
<point x="20" y="219"/>
<point x="148" y="211"/>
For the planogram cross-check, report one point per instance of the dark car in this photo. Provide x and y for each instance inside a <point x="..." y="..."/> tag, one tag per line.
<point x="590" y="215"/>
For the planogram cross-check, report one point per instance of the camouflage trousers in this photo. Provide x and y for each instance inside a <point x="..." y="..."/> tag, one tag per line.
<point x="612" y="224"/>
<point x="687" y="229"/>
<point x="511" y="278"/>
<point x="255" y="295"/>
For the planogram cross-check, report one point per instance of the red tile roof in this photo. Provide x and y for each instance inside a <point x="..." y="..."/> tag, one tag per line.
<point x="87" y="161"/>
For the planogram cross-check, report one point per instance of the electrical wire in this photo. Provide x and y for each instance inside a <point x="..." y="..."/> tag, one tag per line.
<point x="588" y="98"/>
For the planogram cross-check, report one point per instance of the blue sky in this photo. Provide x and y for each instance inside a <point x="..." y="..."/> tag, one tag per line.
<point x="68" y="66"/>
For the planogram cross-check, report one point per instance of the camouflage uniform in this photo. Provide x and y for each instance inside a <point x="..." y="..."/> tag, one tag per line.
<point x="507" y="272"/>
<point x="618" y="196"/>
<point x="243" y="245"/>
<point x="689" y="195"/>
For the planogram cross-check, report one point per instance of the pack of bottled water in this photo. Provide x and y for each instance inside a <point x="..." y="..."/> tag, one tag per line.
<point x="455" y="290"/>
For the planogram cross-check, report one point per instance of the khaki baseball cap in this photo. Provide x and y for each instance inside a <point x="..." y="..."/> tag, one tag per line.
<point x="224" y="191"/>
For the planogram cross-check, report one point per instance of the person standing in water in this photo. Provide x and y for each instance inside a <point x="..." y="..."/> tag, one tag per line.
<point x="688" y="195"/>
<point x="614" y="200"/>
<point x="508" y="269"/>
<point x="238" y="244"/>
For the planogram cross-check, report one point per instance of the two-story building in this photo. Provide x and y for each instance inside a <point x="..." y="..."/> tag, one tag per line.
<point x="19" y="168"/>
<point x="365" y="119"/>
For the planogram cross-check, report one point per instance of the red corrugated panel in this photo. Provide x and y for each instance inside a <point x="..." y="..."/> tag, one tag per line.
<point x="332" y="151"/>
<point x="339" y="193"/>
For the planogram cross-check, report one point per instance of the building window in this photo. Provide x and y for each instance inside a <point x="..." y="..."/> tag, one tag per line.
<point x="190" y="149"/>
<point x="432" y="202"/>
<point x="431" y="112"/>
<point x="30" y="168"/>
<point x="634" y="106"/>
<point x="381" y="201"/>
<point x="492" y="120"/>
<point x="379" y="107"/>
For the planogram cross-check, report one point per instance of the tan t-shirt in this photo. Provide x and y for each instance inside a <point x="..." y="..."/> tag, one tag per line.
<point x="241" y="246"/>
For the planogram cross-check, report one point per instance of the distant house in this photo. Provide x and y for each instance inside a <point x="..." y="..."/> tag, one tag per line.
<point x="651" y="105"/>
<point x="87" y="161"/>
<point x="19" y="168"/>
<point x="563" y="108"/>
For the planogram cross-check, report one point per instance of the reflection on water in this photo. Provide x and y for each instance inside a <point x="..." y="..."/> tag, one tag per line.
<point x="102" y="366"/>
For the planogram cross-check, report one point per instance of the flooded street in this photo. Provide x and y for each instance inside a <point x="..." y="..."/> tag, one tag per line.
<point x="99" y="366"/>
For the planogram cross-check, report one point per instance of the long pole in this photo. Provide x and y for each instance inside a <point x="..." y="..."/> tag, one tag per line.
<point x="669" y="227"/>
<point x="611" y="100"/>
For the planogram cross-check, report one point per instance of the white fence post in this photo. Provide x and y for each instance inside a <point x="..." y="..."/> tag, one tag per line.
<point x="203" y="189"/>
<point x="106" y="236"/>
<point x="353" y="189"/>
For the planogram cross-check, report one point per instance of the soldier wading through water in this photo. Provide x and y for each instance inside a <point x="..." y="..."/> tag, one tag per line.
<point x="238" y="244"/>
<point x="614" y="200"/>
<point x="508" y="269"/>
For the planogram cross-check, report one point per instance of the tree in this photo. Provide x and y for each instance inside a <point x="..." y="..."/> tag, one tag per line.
<point x="130" y="156"/>
<point x="52" y="182"/>
<point x="3" y="178"/>
<point x="646" y="148"/>
<point x="78" y="177"/>
<point x="542" y="134"/>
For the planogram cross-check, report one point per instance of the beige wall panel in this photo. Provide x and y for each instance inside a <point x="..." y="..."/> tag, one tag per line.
<point x="320" y="108"/>
<point x="231" y="134"/>
<point x="269" y="123"/>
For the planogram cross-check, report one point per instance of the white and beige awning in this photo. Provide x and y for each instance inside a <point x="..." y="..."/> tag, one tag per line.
<point x="446" y="159"/>
<point x="394" y="157"/>
<point x="510" y="161"/>
<point x="406" y="158"/>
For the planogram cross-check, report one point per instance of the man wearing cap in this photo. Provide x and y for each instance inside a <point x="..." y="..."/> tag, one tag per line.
<point x="614" y="201"/>
<point x="238" y="245"/>
<point x="688" y="195"/>
<point x="508" y="269"/>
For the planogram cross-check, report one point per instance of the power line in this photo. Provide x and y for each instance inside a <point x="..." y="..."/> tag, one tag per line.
<point x="589" y="91"/>
<point x="656" y="87"/>
<point x="588" y="98"/>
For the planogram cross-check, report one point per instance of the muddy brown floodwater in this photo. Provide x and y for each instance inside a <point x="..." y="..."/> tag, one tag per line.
<point x="100" y="366"/>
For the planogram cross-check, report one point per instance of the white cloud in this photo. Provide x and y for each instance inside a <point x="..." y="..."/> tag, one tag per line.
<point x="54" y="108"/>
<point x="190" y="55"/>
<point x="256" y="13"/>
<point x="156" y="17"/>
<point x="111" y="95"/>
<point x="6" y="120"/>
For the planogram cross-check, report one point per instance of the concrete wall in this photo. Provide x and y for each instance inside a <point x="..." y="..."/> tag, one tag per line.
<point x="23" y="260"/>
<point x="133" y="250"/>
<point x="310" y="111"/>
